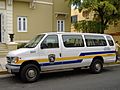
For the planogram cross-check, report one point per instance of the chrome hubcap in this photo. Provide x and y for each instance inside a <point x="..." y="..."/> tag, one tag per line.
<point x="98" y="67"/>
<point x="31" y="73"/>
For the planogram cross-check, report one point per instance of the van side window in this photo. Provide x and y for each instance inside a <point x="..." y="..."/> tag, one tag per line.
<point x="110" y="41"/>
<point x="51" y="41"/>
<point x="94" y="40"/>
<point x="73" y="41"/>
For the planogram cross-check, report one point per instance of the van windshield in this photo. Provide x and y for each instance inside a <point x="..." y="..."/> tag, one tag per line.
<point x="34" y="42"/>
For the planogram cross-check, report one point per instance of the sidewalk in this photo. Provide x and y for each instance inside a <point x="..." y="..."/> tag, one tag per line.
<point x="3" y="62"/>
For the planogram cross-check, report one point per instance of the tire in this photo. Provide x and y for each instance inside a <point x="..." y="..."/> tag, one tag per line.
<point x="30" y="73"/>
<point x="96" y="66"/>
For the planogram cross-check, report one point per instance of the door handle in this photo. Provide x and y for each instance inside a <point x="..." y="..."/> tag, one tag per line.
<point x="60" y="55"/>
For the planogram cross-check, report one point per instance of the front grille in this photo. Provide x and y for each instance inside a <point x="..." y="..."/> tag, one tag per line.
<point x="9" y="59"/>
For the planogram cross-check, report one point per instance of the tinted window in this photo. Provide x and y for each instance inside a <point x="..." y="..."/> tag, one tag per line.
<point x="110" y="41"/>
<point x="73" y="41"/>
<point x="94" y="40"/>
<point x="50" y="41"/>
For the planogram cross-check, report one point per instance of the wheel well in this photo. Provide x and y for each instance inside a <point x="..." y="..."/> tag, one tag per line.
<point x="30" y="62"/>
<point x="98" y="57"/>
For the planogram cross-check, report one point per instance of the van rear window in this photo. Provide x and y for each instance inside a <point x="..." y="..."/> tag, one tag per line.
<point x="110" y="41"/>
<point x="94" y="40"/>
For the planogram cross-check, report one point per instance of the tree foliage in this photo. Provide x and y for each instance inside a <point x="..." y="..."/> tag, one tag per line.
<point x="88" y="26"/>
<point x="108" y="11"/>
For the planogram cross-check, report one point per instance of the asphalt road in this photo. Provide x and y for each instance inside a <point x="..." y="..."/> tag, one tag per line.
<point x="109" y="79"/>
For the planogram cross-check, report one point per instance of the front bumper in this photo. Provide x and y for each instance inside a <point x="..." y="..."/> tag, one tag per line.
<point x="12" y="68"/>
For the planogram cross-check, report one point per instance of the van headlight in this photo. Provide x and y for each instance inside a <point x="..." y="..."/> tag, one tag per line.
<point x="15" y="60"/>
<point x="12" y="59"/>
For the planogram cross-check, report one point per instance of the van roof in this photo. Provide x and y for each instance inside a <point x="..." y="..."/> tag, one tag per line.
<point x="73" y="33"/>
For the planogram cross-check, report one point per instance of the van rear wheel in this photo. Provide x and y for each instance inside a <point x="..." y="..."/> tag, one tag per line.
<point x="96" y="66"/>
<point x="30" y="73"/>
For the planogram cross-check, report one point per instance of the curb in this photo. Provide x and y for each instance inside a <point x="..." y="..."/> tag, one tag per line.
<point x="118" y="62"/>
<point x="3" y="72"/>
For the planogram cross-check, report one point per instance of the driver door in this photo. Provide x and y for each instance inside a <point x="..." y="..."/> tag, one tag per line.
<point x="50" y="51"/>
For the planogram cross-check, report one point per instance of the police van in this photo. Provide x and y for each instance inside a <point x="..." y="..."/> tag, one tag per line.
<point x="61" y="50"/>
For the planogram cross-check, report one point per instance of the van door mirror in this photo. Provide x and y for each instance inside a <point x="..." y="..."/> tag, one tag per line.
<point x="42" y="46"/>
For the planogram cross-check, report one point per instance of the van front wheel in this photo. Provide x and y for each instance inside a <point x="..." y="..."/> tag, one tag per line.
<point x="30" y="73"/>
<point x="96" y="66"/>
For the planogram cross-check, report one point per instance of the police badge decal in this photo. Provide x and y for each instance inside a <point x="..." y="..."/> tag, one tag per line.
<point x="51" y="58"/>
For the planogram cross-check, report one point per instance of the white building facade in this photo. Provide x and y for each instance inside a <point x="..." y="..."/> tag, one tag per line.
<point x="6" y="20"/>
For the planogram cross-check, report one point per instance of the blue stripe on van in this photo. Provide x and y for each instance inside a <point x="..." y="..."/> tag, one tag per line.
<point x="60" y="63"/>
<point x="76" y="61"/>
<point x="92" y="53"/>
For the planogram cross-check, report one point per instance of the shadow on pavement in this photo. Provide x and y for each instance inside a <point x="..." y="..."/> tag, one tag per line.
<point x="56" y="75"/>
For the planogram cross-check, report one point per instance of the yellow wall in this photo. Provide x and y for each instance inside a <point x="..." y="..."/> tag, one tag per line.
<point x="39" y="19"/>
<point x="62" y="6"/>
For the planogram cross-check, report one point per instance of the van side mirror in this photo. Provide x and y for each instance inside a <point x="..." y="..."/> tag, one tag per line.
<point x="42" y="46"/>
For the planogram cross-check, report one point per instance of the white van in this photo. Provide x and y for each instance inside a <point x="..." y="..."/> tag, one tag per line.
<point x="53" y="51"/>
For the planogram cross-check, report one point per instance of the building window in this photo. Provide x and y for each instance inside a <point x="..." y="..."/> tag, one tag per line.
<point x="60" y="25"/>
<point x="22" y="24"/>
<point x="74" y="19"/>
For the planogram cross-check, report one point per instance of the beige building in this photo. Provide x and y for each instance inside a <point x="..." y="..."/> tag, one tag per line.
<point x="79" y="16"/>
<point x="27" y="18"/>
